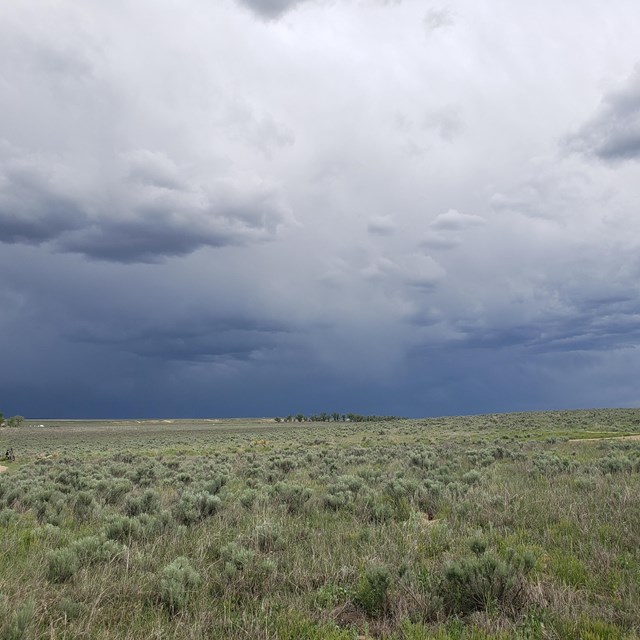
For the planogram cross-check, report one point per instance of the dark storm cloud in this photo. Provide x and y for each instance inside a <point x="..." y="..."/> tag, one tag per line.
<point x="322" y="155"/>
<point x="193" y="339"/>
<point x="34" y="206"/>
<point x="613" y="134"/>
<point x="271" y="9"/>
<point x="158" y="233"/>
<point x="149" y="212"/>
<point x="592" y="325"/>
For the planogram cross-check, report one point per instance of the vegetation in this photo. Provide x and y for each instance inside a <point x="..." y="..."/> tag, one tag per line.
<point x="335" y="417"/>
<point x="12" y="422"/>
<point x="486" y="527"/>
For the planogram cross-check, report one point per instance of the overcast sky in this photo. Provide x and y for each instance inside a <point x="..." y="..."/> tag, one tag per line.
<point x="257" y="207"/>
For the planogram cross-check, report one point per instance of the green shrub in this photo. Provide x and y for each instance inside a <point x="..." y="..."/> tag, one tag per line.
<point x="112" y="491"/>
<point x="194" y="507"/>
<point x="336" y="501"/>
<point x="552" y="464"/>
<point x="96" y="549"/>
<point x="178" y="580"/>
<point x="378" y="508"/>
<point x="371" y="591"/>
<point x="71" y="609"/>
<point x="268" y="537"/>
<point x="236" y="558"/>
<point x="7" y="517"/>
<point x="61" y="564"/>
<point x="122" y="528"/>
<point x="84" y="505"/>
<point x="146" y="502"/>
<point x="248" y="498"/>
<point x="17" y="624"/>
<point x="616" y="464"/>
<point x="476" y="583"/>
<point x="471" y="477"/>
<point x="294" y="496"/>
<point x="478" y="545"/>
<point x="329" y="595"/>
<point x="214" y="485"/>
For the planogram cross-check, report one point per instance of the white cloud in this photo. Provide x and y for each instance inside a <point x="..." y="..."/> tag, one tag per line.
<point x="453" y="220"/>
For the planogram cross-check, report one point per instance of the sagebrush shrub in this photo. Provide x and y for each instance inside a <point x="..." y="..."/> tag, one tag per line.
<point x="293" y="496"/>
<point x="268" y="537"/>
<point x="236" y="558"/>
<point x="15" y="626"/>
<point x="112" y="491"/>
<point x="475" y="583"/>
<point x="214" y="485"/>
<point x="177" y="582"/>
<point x="122" y="528"/>
<point x="8" y="516"/>
<point x="61" y="564"/>
<point x="83" y="505"/>
<point x="71" y="609"/>
<point x="471" y="477"/>
<point x="371" y="591"/>
<point x="248" y="498"/>
<point x="193" y="507"/>
<point x="146" y="502"/>
<point x="96" y="549"/>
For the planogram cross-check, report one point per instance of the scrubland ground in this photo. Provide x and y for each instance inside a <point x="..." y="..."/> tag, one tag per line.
<point x="497" y="526"/>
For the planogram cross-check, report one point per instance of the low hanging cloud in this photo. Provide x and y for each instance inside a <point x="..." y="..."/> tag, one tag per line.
<point x="590" y="325"/>
<point x="271" y="9"/>
<point x="381" y="225"/>
<point x="613" y="133"/>
<point x="203" y="339"/>
<point x="147" y="212"/>
<point x="210" y="124"/>
<point x="34" y="206"/>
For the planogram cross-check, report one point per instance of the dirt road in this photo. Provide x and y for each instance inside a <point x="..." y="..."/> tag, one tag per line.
<point x="634" y="437"/>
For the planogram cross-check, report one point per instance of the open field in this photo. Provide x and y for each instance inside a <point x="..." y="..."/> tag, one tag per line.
<point x="497" y="526"/>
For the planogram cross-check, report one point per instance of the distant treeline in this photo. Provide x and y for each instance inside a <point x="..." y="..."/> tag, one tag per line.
<point x="335" y="417"/>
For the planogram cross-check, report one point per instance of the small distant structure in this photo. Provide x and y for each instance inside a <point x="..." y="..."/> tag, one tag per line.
<point x="10" y="455"/>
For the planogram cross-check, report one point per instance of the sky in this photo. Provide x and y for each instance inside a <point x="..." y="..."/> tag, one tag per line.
<point x="260" y="207"/>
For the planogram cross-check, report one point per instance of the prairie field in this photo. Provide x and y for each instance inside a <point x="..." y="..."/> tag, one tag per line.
<point x="480" y="527"/>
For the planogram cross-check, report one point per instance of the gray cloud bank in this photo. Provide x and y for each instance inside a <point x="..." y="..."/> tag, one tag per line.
<point x="613" y="133"/>
<point x="240" y="208"/>
<point x="147" y="211"/>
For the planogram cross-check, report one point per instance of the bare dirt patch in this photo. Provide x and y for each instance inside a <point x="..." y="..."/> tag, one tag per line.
<point x="3" y="468"/>
<point x="634" y="437"/>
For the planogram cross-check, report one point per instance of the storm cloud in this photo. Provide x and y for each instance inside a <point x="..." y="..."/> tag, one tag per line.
<point x="271" y="9"/>
<point x="148" y="212"/>
<point x="257" y="208"/>
<point x="613" y="133"/>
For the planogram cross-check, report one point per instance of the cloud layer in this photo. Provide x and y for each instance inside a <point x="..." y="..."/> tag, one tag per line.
<point x="613" y="133"/>
<point x="244" y="208"/>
